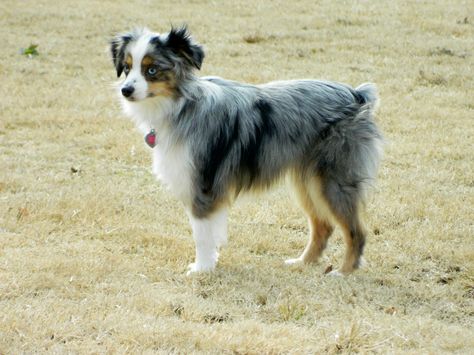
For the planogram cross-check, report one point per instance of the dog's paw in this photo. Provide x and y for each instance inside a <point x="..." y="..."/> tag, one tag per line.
<point x="296" y="261"/>
<point x="191" y="269"/>
<point x="195" y="268"/>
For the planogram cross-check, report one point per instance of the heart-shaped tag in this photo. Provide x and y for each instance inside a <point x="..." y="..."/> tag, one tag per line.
<point x="150" y="138"/>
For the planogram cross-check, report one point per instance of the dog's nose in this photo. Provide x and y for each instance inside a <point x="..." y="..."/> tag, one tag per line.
<point x="127" y="91"/>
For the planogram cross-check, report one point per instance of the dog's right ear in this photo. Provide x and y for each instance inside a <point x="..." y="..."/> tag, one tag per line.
<point x="117" y="49"/>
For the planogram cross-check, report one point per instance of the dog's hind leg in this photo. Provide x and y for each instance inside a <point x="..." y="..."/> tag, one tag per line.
<point x="344" y="201"/>
<point x="319" y="228"/>
<point x="354" y="234"/>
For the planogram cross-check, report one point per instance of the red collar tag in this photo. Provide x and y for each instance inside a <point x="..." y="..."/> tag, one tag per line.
<point x="150" y="138"/>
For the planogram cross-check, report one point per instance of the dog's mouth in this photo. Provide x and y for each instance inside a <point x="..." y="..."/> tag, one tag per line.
<point x="138" y="98"/>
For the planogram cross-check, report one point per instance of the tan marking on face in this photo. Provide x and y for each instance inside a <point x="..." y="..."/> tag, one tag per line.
<point x="146" y="61"/>
<point x="129" y="61"/>
<point x="160" y="88"/>
<point x="164" y="88"/>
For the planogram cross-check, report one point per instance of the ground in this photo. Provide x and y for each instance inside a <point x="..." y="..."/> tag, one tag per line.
<point x="93" y="251"/>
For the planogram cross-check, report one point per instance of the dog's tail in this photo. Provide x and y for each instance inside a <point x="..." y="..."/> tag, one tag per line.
<point x="367" y="141"/>
<point x="368" y="95"/>
<point x="352" y="150"/>
<point x="368" y="145"/>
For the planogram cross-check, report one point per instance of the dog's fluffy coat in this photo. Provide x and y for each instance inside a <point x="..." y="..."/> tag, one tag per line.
<point x="217" y="138"/>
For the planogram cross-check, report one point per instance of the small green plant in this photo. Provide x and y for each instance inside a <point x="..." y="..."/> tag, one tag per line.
<point x="31" y="51"/>
<point x="291" y="310"/>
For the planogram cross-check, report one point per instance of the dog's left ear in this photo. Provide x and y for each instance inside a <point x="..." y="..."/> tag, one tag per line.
<point x="180" y="41"/>
<point x="117" y="49"/>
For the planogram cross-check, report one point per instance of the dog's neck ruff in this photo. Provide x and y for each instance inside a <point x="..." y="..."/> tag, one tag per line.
<point x="150" y="138"/>
<point x="150" y="117"/>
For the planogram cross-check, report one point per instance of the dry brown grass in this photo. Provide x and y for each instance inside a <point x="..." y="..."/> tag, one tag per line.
<point x="93" y="250"/>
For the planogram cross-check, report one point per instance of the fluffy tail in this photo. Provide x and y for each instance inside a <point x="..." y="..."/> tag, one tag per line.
<point x="353" y="149"/>
<point x="367" y="147"/>
<point x="368" y="94"/>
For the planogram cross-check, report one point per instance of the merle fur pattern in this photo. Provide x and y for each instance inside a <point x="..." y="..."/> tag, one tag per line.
<point x="246" y="136"/>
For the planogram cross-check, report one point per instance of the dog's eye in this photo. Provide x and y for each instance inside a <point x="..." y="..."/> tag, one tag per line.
<point x="151" y="71"/>
<point x="126" y="68"/>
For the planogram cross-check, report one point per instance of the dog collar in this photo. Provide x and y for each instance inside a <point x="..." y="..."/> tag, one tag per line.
<point x="150" y="138"/>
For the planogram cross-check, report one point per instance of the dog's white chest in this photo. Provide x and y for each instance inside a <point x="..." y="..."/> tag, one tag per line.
<point x="172" y="166"/>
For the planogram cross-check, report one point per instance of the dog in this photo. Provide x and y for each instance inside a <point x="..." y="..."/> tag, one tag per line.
<point x="213" y="139"/>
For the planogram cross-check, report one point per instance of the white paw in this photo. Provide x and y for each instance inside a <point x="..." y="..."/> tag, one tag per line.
<point x="194" y="268"/>
<point x="191" y="269"/>
<point x="297" y="261"/>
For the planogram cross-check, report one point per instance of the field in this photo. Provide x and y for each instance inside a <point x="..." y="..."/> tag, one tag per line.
<point x="93" y="251"/>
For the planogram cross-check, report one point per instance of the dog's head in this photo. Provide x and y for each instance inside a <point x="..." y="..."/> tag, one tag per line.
<point x="154" y="64"/>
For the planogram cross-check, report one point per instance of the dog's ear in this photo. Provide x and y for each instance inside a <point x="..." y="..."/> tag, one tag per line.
<point x="117" y="49"/>
<point x="180" y="42"/>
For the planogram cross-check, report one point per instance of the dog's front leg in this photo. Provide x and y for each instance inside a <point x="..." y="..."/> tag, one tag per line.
<point x="209" y="234"/>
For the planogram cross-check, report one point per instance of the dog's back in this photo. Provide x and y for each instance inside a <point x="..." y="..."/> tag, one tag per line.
<point x="248" y="136"/>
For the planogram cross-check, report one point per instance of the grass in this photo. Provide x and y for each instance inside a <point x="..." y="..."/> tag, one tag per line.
<point x="93" y="251"/>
